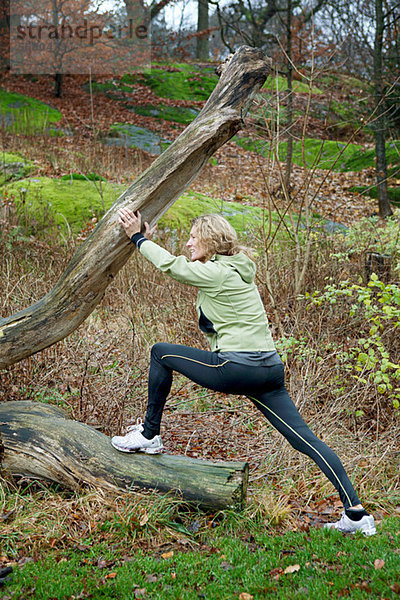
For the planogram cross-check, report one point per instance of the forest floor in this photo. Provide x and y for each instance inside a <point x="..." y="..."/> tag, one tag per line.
<point x="100" y="546"/>
<point x="242" y="175"/>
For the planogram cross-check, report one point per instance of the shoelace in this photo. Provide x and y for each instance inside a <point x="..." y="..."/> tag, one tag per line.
<point x="342" y="521"/>
<point x="139" y="424"/>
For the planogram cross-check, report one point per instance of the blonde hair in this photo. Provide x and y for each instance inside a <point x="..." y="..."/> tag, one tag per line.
<point x="218" y="236"/>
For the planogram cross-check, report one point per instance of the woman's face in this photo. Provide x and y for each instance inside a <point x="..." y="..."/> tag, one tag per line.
<point x="197" y="252"/>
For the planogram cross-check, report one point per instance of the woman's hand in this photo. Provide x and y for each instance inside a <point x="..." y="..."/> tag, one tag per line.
<point x="133" y="224"/>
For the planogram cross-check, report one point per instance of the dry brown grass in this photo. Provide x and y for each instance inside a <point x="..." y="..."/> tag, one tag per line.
<point x="99" y="373"/>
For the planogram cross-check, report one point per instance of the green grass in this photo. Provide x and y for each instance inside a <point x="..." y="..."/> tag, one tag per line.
<point x="187" y="82"/>
<point x="22" y="114"/>
<point x="329" y="565"/>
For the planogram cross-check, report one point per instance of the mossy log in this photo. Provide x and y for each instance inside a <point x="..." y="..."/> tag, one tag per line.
<point x="96" y="262"/>
<point x="41" y="442"/>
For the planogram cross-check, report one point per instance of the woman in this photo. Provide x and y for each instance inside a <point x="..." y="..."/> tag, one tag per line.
<point x="243" y="359"/>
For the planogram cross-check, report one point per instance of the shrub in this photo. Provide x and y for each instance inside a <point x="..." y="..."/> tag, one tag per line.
<point x="371" y="358"/>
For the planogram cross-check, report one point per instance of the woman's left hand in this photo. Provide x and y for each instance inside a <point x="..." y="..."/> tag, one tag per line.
<point x="133" y="224"/>
<point x="129" y="221"/>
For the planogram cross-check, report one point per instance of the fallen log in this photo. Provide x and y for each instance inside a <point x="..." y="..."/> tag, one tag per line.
<point x="95" y="264"/>
<point x="41" y="442"/>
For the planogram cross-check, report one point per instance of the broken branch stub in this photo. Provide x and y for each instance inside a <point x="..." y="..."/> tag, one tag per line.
<point x="107" y="249"/>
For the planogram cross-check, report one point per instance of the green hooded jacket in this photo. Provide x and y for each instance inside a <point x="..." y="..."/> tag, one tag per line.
<point x="229" y="306"/>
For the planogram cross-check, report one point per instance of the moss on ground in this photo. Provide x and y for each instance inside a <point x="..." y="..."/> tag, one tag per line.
<point x="192" y="204"/>
<point x="326" y="154"/>
<point x="372" y="192"/>
<point x="363" y="158"/>
<point x="131" y="136"/>
<point x="44" y="202"/>
<point x="279" y="83"/>
<point x="70" y="203"/>
<point x="22" y="114"/>
<point x="13" y="167"/>
<point x="348" y="84"/>
<point x="178" y="114"/>
<point x="186" y="82"/>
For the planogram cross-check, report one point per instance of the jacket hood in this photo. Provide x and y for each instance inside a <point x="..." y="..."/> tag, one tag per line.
<point x="240" y="263"/>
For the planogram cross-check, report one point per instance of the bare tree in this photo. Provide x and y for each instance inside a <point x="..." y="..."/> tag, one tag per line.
<point x="367" y="37"/>
<point x="380" y="119"/>
<point x="260" y="23"/>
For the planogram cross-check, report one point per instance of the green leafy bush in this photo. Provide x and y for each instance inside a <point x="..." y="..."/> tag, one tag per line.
<point x="372" y="357"/>
<point x="374" y="235"/>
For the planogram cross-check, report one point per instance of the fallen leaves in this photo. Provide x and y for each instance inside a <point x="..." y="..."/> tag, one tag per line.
<point x="279" y="571"/>
<point x="379" y="564"/>
<point x="144" y="520"/>
<point x="292" y="569"/>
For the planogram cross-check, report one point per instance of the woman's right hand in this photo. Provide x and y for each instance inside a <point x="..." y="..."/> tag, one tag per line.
<point x="149" y="231"/>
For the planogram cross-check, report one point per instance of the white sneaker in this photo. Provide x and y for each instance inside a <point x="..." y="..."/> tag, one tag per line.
<point x="366" y="525"/>
<point x="134" y="441"/>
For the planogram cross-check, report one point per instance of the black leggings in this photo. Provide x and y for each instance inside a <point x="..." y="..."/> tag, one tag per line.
<point x="263" y="385"/>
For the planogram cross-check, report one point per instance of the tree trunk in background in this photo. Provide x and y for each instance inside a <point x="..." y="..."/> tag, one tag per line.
<point x="289" y="101"/>
<point x="41" y="442"/>
<point x="95" y="264"/>
<point x="385" y="209"/>
<point x="58" y="81"/>
<point x="202" y="43"/>
<point x="5" y="35"/>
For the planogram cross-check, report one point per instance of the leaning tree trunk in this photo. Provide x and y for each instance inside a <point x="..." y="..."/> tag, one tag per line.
<point x="96" y="262"/>
<point x="41" y="442"/>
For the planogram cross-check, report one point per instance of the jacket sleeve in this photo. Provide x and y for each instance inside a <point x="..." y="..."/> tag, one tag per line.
<point x="206" y="276"/>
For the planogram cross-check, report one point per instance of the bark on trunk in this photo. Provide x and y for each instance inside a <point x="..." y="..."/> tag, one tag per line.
<point x="40" y="442"/>
<point x="96" y="262"/>
<point x="380" y="125"/>
<point x="202" y="41"/>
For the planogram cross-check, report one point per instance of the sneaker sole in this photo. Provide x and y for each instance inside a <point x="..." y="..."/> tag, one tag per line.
<point x="152" y="450"/>
<point x="365" y="532"/>
<point x="370" y="532"/>
<point x="145" y="450"/>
